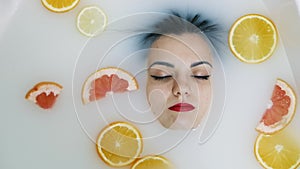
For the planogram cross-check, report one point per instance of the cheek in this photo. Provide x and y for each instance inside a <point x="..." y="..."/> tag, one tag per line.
<point x="157" y="94"/>
<point x="204" y="93"/>
<point x="155" y="87"/>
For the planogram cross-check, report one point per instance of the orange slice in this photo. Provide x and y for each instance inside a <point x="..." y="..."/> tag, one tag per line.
<point x="253" y="38"/>
<point x="91" y="21"/>
<point x="281" y="109"/>
<point x="44" y="94"/>
<point x="119" y="144"/>
<point x="278" y="151"/>
<point x="60" y="5"/>
<point x="151" y="162"/>
<point x="105" y="81"/>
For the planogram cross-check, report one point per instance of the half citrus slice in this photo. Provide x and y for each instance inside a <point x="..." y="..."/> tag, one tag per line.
<point x="119" y="144"/>
<point x="44" y="94"/>
<point x="151" y="162"/>
<point x="253" y="38"/>
<point x="278" y="151"/>
<point x="59" y="5"/>
<point x="107" y="80"/>
<point x="281" y="109"/>
<point x="91" y="21"/>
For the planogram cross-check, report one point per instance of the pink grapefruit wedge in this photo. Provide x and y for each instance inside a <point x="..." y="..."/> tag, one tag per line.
<point x="105" y="81"/>
<point x="281" y="109"/>
<point x="44" y="94"/>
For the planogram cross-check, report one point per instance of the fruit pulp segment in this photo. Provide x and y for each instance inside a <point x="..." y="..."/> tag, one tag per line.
<point x="279" y="151"/>
<point x="259" y="38"/>
<point x="280" y="105"/>
<point x="104" y="84"/>
<point x="120" y="141"/>
<point x="46" y="101"/>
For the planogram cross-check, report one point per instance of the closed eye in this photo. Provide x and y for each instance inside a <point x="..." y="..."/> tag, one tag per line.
<point x="161" y="77"/>
<point x="206" y="77"/>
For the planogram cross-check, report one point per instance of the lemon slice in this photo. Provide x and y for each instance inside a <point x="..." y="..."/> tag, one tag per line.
<point x="59" y="5"/>
<point x="151" y="162"/>
<point x="91" y="21"/>
<point x="253" y="38"/>
<point x="119" y="144"/>
<point x="278" y="151"/>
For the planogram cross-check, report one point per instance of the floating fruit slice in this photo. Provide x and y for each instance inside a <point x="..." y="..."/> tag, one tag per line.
<point x="119" y="144"/>
<point x="253" y="38"/>
<point x="107" y="80"/>
<point x="91" y="21"/>
<point x="278" y="151"/>
<point x="150" y="162"/>
<point x="59" y="5"/>
<point x="44" y="94"/>
<point x="281" y="109"/>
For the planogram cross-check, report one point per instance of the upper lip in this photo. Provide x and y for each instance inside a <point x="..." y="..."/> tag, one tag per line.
<point x="182" y="107"/>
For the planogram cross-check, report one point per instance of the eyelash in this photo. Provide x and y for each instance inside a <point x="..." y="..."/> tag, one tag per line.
<point x="160" y="77"/>
<point x="206" y="77"/>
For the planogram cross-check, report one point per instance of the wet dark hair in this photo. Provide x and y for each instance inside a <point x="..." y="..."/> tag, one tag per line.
<point x="178" y="24"/>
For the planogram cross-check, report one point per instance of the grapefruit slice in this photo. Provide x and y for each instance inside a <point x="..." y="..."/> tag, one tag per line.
<point x="281" y="109"/>
<point x="105" y="81"/>
<point x="119" y="144"/>
<point x="152" y="161"/>
<point x="44" y="94"/>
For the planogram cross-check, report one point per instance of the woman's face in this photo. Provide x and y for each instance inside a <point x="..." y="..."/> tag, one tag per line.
<point x="179" y="88"/>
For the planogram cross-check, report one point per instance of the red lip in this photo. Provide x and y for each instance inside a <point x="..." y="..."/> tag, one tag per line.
<point x="182" y="107"/>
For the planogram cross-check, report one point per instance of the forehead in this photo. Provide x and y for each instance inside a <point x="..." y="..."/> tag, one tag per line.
<point x="188" y="46"/>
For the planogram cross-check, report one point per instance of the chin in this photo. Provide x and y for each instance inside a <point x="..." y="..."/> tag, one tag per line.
<point x="183" y="125"/>
<point x="182" y="121"/>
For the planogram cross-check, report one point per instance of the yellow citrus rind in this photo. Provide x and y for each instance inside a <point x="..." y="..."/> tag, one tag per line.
<point x="60" y="6"/>
<point x="277" y="151"/>
<point x="253" y="42"/>
<point x="91" y="21"/>
<point x="111" y="141"/>
<point x="152" y="161"/>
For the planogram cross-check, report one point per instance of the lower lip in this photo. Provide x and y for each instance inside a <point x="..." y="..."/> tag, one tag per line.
<point x="182" y="108"/>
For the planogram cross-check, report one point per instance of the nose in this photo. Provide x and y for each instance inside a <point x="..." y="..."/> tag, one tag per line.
<point x="181" y="88"/>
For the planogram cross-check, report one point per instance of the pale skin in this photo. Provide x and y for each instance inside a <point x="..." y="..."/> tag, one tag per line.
<point x="179" y="89"/>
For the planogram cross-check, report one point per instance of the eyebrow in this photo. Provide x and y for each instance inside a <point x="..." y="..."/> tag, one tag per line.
<point x="162" y="63"/>
<point x="200" y="63"/>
